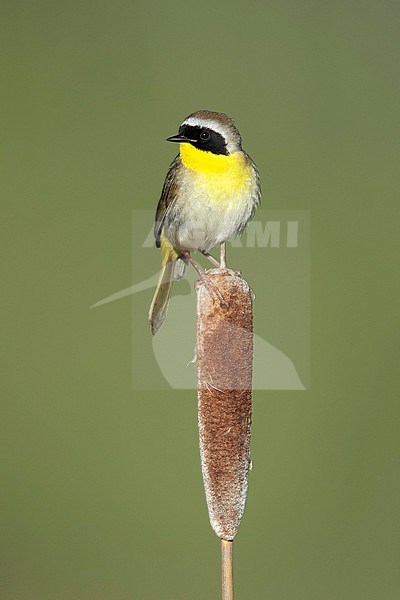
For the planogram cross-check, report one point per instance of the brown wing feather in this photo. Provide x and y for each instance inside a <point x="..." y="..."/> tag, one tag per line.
<point x="168" y="196"/>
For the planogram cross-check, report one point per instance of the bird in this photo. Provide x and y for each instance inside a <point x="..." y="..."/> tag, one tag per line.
<point x="210" y="193"/>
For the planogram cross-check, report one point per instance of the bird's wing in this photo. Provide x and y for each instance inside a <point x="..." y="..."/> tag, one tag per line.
<point x="167" y="199"/>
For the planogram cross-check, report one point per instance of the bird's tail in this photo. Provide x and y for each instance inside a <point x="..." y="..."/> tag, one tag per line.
<point x="170" y="272"/>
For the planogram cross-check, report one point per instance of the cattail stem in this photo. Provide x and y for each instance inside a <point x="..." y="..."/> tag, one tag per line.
<point x="227" y="569"/>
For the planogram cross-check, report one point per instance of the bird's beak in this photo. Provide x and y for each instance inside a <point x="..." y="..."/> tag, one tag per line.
<point x="181" y="139"/>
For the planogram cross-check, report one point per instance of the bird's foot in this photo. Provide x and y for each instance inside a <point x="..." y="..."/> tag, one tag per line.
<point x="211" y="287"/>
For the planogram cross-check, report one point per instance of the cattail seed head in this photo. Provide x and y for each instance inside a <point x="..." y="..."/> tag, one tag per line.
<point x="224" y="371"/>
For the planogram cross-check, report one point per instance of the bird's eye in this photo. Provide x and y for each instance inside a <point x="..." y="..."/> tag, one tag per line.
<point x="205" y="135"/>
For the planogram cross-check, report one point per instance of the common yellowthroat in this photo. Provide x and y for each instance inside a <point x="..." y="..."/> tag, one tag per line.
<point x="210" y="193"/>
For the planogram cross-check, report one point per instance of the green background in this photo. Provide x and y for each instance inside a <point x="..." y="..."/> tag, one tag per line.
<point x="101" y="487"/>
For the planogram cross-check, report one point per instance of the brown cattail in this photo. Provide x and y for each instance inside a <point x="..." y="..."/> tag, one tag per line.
<point x="224" y="375"/>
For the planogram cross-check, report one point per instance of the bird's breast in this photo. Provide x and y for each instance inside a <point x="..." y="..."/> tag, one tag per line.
<point x="215" y="199"/>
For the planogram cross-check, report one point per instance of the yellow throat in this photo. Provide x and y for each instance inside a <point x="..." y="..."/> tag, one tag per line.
<point x="233" y="165"/>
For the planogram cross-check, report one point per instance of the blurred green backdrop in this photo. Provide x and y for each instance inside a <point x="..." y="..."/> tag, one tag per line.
<point x="101" y="487"/>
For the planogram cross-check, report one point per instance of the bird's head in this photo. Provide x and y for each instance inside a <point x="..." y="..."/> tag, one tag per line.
<point x="209" y="131"/>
